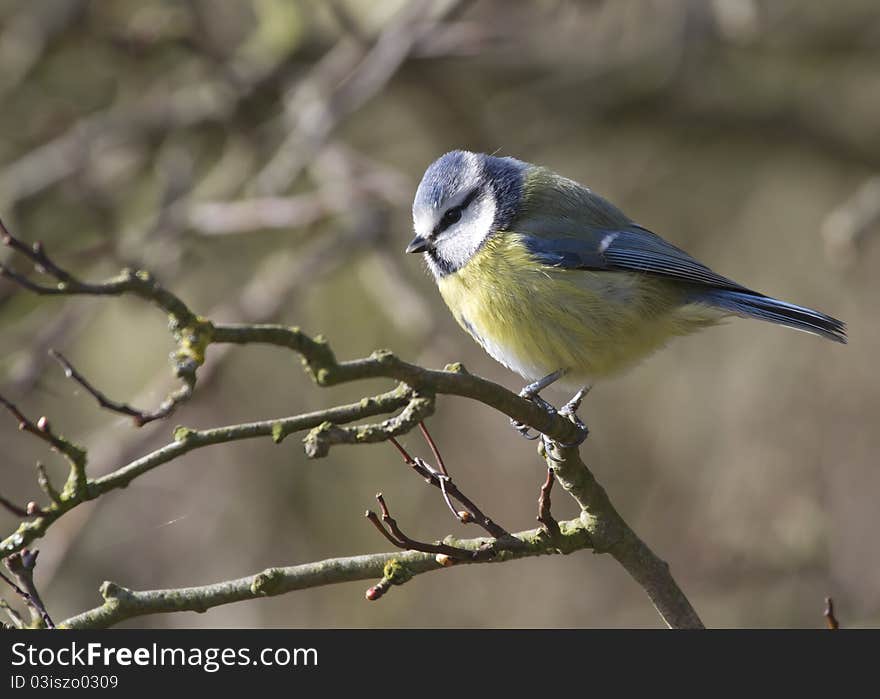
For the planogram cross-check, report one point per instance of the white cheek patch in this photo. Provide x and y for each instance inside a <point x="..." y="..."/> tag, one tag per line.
<point x="460" y="241"/>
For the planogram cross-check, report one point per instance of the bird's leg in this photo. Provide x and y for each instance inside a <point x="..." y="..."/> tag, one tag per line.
<point x="530" y="392"/>
<point x="570" y="409"/>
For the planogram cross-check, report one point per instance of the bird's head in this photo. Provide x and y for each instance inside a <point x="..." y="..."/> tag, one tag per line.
<point x="462" y="200"/>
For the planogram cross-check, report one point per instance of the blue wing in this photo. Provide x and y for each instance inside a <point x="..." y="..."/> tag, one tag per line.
<point x="633" y="249"/>
<point x="636" y="249"/>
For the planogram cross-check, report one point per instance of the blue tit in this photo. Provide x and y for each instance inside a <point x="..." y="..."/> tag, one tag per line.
<point x="558" y="284"/>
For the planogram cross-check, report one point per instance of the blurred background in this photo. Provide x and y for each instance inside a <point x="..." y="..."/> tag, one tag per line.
<point x="260" y="158"/>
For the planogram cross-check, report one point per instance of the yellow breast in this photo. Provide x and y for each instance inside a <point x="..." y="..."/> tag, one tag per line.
<point x="536" y="319"/>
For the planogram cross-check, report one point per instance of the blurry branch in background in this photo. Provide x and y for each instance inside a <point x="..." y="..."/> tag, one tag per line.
<point x="342" y="82"/>
<point x="347" y="178"/>
<point x="28" y="367"/>
<point x="99" y="151"/>
<point x="599" y="527"/>
<point x="186" y="328"/>
<point x="27" y="35"/>
<point x="846" y="229"/>
<point x="161" y="110"/>
<point x="277" y="283"/>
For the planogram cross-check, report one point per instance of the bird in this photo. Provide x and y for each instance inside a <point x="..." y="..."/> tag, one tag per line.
<point x="559" y="285"/>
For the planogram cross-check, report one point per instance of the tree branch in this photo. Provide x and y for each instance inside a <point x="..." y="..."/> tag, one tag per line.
<point x="186" y="440"/>
<point x="611" y="534"/>
<point x="600" y="526"/>
<point x="321" y="364"/>
<point x="22" y="565"/>
<point x="442" y="480"/>
<point x="121" y="603"/>
<point x="190" y="332"/>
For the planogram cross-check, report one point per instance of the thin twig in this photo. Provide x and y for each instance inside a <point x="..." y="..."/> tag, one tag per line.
<point x="42" y="429"/>
<point x="13" y="614"/>
<point x="22" y="565"/>
<point x="13" y="508"/>
<point x="395" y="535"/>
<point x="448" y="487"/>
<point x="830" y="619"/>
<point x="443" y="479"/>
<point x="434" y="449"/>
<point x="46" y="484"/>
<point x="36" y="253"/>
<point x="545" y="517"/>
<point x="140" y="417"/>
<point x="192" y="333"/>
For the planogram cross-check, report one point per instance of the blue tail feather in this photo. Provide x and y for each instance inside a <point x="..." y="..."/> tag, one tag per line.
<point x="754" y="305"/>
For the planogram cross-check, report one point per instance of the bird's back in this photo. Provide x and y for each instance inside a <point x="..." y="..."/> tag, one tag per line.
<point x="553" y="205"/>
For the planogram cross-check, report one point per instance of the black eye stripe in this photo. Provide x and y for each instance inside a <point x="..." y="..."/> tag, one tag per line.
<point x="453" y="214"/>
<point x="450" y="217"/>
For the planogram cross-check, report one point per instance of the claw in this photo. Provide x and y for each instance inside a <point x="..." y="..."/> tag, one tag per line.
<point x="548" y="452"/>
<point x="572" y="406"/>
<point x="581" y="438"/>
<point x="530" y="393"/>
<point x="540" y="402"/>
<point x="524" y="430"/>
<point x="569" y="410"/>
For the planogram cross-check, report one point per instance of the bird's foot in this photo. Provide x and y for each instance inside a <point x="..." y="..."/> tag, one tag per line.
<point x="524" y="429"/>
<point x="530" y="393"/>
<point x="569" y="410"/>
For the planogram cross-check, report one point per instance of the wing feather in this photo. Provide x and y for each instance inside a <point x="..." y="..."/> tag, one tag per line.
<point x="634" y="249"/>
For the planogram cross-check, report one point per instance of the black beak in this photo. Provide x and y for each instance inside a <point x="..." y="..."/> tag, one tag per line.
<point x="418" y="244"/>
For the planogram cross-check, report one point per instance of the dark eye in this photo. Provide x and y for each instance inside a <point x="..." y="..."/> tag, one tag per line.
<point x="453" y="215"/>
